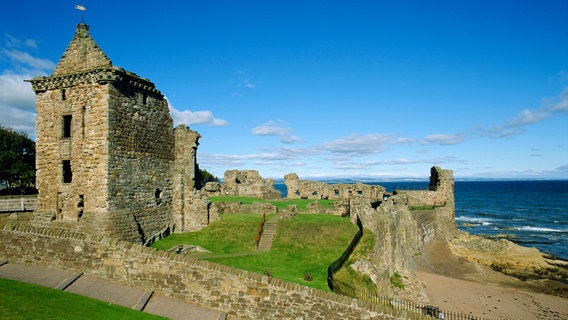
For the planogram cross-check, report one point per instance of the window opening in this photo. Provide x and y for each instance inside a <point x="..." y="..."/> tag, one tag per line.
<point x="144" y="98"/>
<point x="80" y="206"/>
<point x="158" y="196"/>
<point x="67" y="173"/>
<point x="67" y="126"/>
<point x="63" y="97"/>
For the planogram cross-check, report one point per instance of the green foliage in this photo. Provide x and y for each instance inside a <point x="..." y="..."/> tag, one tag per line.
<point x="202" y="177"/>
<point x="421" y="208"/>
<point x="396" y="280"/>
<point x="17" y="160"/>
<point x="20" y="300"/>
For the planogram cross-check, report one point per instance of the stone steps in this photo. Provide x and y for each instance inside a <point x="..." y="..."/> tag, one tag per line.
<point x="268" y="234"/>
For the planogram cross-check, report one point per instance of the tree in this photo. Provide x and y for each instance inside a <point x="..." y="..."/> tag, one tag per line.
<point x="202" y="177"/>
<point x="17" y="161"/>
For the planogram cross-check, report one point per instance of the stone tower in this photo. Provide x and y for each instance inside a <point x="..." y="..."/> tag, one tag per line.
<point x="105" y="148"/>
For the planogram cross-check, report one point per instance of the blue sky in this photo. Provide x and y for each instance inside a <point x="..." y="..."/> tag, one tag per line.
<point x="374" y="89"/>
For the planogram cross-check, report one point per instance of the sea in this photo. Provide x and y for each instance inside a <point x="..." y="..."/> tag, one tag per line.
<point x="529" y="213"/>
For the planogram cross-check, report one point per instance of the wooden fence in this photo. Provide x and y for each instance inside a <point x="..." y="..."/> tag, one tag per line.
<point x="18" y="203"/>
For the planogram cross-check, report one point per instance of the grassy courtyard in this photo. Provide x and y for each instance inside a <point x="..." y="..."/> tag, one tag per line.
<point x="305" y="245"/>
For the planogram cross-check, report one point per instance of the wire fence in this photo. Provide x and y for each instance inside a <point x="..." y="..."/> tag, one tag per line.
<point x="421" y="311"/>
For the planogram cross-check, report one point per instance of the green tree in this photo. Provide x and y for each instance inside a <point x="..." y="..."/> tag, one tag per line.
<point x="202" y="177"/>
<point x="17" y="161"/>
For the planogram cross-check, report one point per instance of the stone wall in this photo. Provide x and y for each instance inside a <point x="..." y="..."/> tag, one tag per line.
<point x="241" y="294"/>
<point x="305" y="189"/>
<point x="440" y="193"/>
<point x="405" y="223"/>
<point x="190" y="208"/>
<point x="244" y="183"/>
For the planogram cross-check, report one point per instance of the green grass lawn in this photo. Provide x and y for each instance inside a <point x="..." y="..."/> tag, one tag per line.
<point x="308" y="243"/>
<point x="282" y="204"/>
<point x="19" y="300"/>
<point x="234" y="233"/>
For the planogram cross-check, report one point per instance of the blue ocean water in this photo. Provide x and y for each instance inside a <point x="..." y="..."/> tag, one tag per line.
<point x="530" y="213"/>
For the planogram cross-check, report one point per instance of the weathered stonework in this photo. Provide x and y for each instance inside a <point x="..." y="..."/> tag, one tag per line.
<point x="107" y="159"/>
<point x="244" y="183"/>
<point x="306" y="189"/>
<point x="242" y="294"/>
<point x="405" y="223"/>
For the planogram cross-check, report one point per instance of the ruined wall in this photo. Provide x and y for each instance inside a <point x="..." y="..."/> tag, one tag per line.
<point x="405" y="223"/>
<point x="240" y="293"/>
<point x="244" y="183"/>
<point x="305" y="189"/>
<point x="440" y="193"/>
<point x="190" y="208"/>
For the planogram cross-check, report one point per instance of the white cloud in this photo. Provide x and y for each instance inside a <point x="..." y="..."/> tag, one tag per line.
<point x="13" y="42"/>
<point x="245" y="80"/>
<point x="16" y="93"/>
<point x="272" y="128"/>
<point x="17" y="99"/>
<point x="195" y="117"/>
<point x="18" y="119"/>
<point x="362" y="145"/>
<point x="24" y="61"/>
<point x="550" y="108"/>
<point x="444" y="139"/>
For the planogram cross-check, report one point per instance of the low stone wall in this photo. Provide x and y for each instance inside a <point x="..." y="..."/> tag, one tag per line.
<point x="242" y="294"/>
<point x="306" y="189"/>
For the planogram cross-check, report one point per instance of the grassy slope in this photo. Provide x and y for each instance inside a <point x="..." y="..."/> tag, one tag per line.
<point x="282" y="204"/>
<point x="20" y="300"/>
<point x="305" y="244"/>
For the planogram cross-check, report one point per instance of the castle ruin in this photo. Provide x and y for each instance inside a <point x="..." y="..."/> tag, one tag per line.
<point x="108" y="161"/>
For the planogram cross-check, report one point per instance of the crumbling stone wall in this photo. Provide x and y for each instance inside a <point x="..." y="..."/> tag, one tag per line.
<point x="244" y="183"/>
<point x="404" y="224"/>
<point x="242" y="294"/>
<point x="440" y="193"/>
<point x="305" y="189"/>
<point x="190" y="208"/>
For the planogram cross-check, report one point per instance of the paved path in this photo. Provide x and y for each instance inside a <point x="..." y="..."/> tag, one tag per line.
<point x="108" y="291"/>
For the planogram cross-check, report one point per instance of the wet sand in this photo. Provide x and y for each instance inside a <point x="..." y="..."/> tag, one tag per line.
<point x="492" y="301"/>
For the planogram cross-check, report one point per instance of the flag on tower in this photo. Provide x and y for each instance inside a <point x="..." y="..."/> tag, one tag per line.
<point x="81" y="8"/>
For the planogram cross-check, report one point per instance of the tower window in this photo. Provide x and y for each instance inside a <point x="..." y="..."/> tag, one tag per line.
<point x="158" y="196"/>
<point x="144" y="98"/>
<point x="63" y="97"/>
<point x="67" y="126"/>
<point x="67" y="173"/>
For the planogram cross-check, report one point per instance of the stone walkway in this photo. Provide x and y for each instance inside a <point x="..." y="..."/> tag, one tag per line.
<point x="108" y="291"/>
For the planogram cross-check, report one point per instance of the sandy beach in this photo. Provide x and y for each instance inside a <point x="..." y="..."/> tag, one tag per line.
<point x="491" y="300"/>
